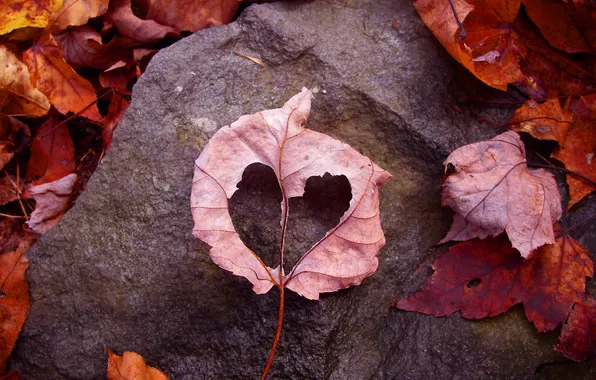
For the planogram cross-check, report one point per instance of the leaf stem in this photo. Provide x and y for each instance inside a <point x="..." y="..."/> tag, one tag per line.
<point x="280" y="318"/>
<point x="581" y="176"/>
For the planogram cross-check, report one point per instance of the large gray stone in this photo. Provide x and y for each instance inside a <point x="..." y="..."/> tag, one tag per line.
<point x="122" y="270"/>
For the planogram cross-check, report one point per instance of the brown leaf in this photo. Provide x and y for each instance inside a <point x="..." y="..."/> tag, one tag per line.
<point x="565" y="25"/>
<point x="17" y="95"/>
<point x="115" y="113"/>
<point x="191" y="15"/>
<point x="484" y="278"/>
<point x="67" y="90"/>
<point x="147" y="31"/>
<point x="52" y="153"/>
<point x="277" y="138"/>
<point x="14" y="295"/>
<point x="82" y="47"/>
<point x="131" y="366"/>
<point x="9" y="190"/>
<point x="17" y="14"/>
<point x="118" y="76"/>
<point x="546" y="121"/>
<point x="579" y="333"/>
<point x="492" y="190"/>
<point x="52" y="199"/>
<point x="76" y="12"/>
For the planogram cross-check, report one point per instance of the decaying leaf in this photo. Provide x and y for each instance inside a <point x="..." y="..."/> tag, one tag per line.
<point x="190" y="15"/>
<point x="17" y="95"/>
<point x="131" y="366"/>
<point x="67" y="90"/>
<point x="546" y="121"/>
<point x="484" y="278"/>
<point x="17" y="14"/>
<point x="129" y="25"/>
<point x="14" y="295"/>
<point x="492" y="190"/>
<point x="52" y="153"/>
<point x="52" y="199"/>
<point x="277" y="138"/>
<point x="578" y="335"/>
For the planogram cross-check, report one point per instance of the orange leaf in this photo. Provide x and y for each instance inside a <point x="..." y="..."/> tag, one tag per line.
<point x="14" y="296"/>
<point x="565" y="25"/>
<point x="17" y="95"/>
<point x="278" y="138"/>
<point x="578" y="155"/>
<point x="484" y="278"/>
<point x="67" y="90"/>
<point x="492" y="190"/>
<point x="546" y="121"/>
<point x="76" y="12"/>
<point x="131" y="366"/>
<point x="191" y="15"/>
<point x="52" y="153"/>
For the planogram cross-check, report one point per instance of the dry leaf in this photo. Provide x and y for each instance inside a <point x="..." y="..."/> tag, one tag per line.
<point x="76" y="12"/>
<point x="67" y="90"/>
<point x="579" y="333"/>
<point x="52" y="153"/>
<point x="484" y="278"/>
<point x="277" y="138"/>
<point x="147" y="31"/>
<point x="492" y="190"/>
<point x="115" y="113"/>
<point x="191" y="15"/>
<point x="52" y="200"/>
<point x="14" y="299"/>
<point x="131" y="366"/>
<point x="17" y="14"/>
<point x="546" y="121"/>
<point x="17" y="95"/>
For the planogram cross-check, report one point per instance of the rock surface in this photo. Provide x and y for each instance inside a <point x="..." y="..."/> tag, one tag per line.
<point x="122" y="270"/>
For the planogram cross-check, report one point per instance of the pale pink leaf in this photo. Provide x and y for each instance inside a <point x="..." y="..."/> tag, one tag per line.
<point x="492" y="190"/>
<point x="277" y="138"/>
<point x="51" y="199"/>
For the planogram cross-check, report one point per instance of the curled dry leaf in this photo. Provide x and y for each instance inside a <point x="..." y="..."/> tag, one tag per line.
<point x="52" y="153"/>
<point x="277" y="138"/>
<point x="146" y="31"/>
<point x="67" y="90"/>
<point x="52" y="200"/>
<point x="546" y="121"/>
<point x="191" y="15"/>
<point x="14" y="303"/>
<point x="17" y="14"/>
<point x="76" y="12"/>
<point x="82" y="47"/>
<point x="17" y="95"/>
<point x="579" y="333"/>
<point x="131" y="366"/>
<point x="484" y="278"/>
<point x="492" y="190"/>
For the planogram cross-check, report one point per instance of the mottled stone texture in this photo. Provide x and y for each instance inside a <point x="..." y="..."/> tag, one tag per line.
<point x="122" y="270"/>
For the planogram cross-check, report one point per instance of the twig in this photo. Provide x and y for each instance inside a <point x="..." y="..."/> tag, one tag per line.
<point x="255" y="60"/>
<point x="462" y="31"/>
